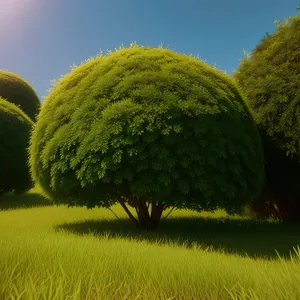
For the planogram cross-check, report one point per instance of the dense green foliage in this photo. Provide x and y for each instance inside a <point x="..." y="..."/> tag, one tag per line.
<point x="16" y="90"/>
<point x="270" y="78"/>
<point x="144" y="125"/>
<point x="15" y="128"/>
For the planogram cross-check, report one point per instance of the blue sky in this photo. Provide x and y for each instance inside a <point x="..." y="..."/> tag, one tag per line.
<point x="41" y="39"/>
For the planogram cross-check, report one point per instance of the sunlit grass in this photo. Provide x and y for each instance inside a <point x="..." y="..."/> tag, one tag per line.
<point x="55" y="252"/>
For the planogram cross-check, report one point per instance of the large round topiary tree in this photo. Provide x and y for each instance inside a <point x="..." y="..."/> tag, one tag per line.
<point x="15" y="128"/>
<point x="270" y="78"/>
<point x="147" y="127"/>
<point x="16" y="90"/>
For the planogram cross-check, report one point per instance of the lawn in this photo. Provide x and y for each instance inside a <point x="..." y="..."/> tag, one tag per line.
<point x="55" y="252"/>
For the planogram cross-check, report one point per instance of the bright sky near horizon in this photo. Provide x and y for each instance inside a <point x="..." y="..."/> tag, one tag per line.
<point x="41" y="39"/>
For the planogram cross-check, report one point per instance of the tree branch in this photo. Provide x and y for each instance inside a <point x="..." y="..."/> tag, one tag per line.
<point x="128" y="212"/>
<point x="165" y="206"/>
<point x="113" y="213"/>
<point x="169" y="212"/>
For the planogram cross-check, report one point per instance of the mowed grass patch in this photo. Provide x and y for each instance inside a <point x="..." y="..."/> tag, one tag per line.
<point x="55" y="252"/>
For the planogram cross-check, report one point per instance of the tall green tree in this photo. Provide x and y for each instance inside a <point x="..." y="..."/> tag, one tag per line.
<point x="150" y="129"/>
<point x="270" y="79"/>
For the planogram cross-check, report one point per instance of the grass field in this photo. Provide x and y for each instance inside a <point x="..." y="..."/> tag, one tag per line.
<point x="55" y="252"/>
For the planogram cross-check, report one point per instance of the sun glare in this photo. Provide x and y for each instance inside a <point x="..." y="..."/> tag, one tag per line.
<point x="13" y="9"/>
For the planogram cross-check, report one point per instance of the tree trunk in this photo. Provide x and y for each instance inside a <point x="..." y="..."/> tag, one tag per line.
<point x="121" y="201"/>
<point x="281" y="204"/>
<point x="145" y="220"/>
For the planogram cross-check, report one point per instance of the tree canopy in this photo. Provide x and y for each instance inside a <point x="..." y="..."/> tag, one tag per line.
<point x="15" y="128"/>
<point x="16" y="90"/>
<point x="270" y="78"/>
<point x="147" y="127"/>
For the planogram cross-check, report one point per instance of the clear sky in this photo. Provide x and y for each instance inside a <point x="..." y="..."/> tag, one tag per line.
<point x="41" y="39"/>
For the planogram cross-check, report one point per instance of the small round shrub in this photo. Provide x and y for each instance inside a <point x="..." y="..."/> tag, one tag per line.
<point x="16" y="90"/>
<point x="270" y="79"/>
<point x="145" y="126"/>
<point x="15" y="128"/>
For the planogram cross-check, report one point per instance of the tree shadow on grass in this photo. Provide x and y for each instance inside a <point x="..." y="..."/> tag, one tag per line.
<point x="27" y="200"/>
<point x="253" y="238"/>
